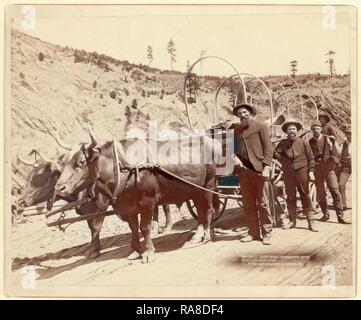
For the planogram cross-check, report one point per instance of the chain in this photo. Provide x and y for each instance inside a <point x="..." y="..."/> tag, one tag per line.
<point x="61" y="218"/>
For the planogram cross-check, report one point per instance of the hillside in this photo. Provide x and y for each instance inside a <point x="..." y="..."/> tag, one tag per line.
<point x="63" y="90"/>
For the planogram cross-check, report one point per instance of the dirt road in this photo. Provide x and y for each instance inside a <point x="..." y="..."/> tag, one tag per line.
<point x="296" y="257"/>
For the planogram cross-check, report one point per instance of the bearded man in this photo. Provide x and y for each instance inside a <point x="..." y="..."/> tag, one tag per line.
<point x="298" y="164"/>
<point x="253" y="147"/>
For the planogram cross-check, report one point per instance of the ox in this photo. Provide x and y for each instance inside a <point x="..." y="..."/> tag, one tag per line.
<point x="40" y="188"/>
<point x="93" y="167"/>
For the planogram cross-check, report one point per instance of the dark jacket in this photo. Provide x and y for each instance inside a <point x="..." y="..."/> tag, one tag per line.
<point x="299" y="154"/>
<point x="325" y="154"/>
<point x="258" y="143"/>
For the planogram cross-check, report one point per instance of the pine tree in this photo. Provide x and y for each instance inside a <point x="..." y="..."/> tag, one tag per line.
<point x="192" y="85"/>
<point x="331" y="62"/>
<point x="171" y="50"/>
<point x="150" y="55"/>
<point x="293" y="68"/>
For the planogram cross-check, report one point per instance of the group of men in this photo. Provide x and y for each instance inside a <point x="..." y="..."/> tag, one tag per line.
<point x="317" y="159"/>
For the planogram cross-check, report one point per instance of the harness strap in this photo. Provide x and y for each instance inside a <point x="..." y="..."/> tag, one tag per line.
<point x="198" y="186"/>
<point x="121" y="168"/>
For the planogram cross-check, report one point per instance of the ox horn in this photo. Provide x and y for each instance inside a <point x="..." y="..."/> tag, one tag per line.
<point x="28" y="163"/>
<point x="49" y="160"/>
<point x="61" y="143"/>
<point x="93" y="140"/>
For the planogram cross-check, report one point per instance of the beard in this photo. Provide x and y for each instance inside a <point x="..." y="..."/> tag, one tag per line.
<point x="244" y="124"/>
<point x="291" y="140"/>
<point x="292" y="136"/>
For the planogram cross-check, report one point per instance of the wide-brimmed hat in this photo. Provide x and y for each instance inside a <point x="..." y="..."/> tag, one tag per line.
<point x="290" y="121"/>
<point x="316" y="123"/>
<point x="250" y="108"/>
<point x="324" y="115"/>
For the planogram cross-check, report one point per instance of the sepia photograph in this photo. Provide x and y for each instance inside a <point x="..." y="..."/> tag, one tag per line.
<point x="180" y="151"/>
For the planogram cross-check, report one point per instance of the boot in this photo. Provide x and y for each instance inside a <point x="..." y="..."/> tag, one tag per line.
<point x="341" y="219"/>
<point x="291" y="224"/>
<point x="247" y="238"/>
<point x="310" y="222"/>
<point x="266" y="239"/>
<point x="311" y="226"/>
<point x="326" y="215"/>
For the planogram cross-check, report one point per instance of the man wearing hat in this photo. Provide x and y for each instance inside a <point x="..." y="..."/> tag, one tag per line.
<point x="325" y="152"/>
<point x="297" y="163"/>
<point x="326" y="128"/>
<point x="253" y="147"/>
<point x="345" y="166"/>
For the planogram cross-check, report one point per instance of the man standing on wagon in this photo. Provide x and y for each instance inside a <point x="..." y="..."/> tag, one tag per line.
<point x="326" y="128"/>
<point x="254" y="150"/>
<point x="325" y="153"/>
<point x="298" y="164"/>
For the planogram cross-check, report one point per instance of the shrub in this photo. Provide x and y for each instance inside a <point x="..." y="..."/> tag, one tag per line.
<point x="112" y="94"/>
<point x="134" y="104"/>
<point x="127" y="112"/>
<point x="95" y="84"/>
<point x="78" y="57"/>
<point x="41" y="56"/>
<point x="22" y="76"/>
<point x="137" y="75"/>
<point x="120" y="100"/>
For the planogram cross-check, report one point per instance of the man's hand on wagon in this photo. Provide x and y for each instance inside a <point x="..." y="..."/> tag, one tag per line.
<point x="236" y="162"/>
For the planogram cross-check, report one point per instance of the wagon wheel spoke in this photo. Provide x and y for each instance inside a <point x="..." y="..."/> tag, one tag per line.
<point x="237" y="192"/>
<point x="313" y="195"/>
<point x="276" y="171"/>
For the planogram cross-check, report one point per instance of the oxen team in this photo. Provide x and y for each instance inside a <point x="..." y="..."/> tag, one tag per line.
<point x="105" y="174"/>
<point x="89" y="171"/>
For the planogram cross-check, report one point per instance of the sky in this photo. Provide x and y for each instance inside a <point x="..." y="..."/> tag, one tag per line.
<point x="260" y="40"/>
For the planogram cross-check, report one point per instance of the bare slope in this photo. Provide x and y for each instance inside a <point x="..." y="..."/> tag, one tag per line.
<point x="63" y="90"/>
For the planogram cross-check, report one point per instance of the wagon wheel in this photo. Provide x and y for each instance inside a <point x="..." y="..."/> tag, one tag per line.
<point x="193" y="210"/>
